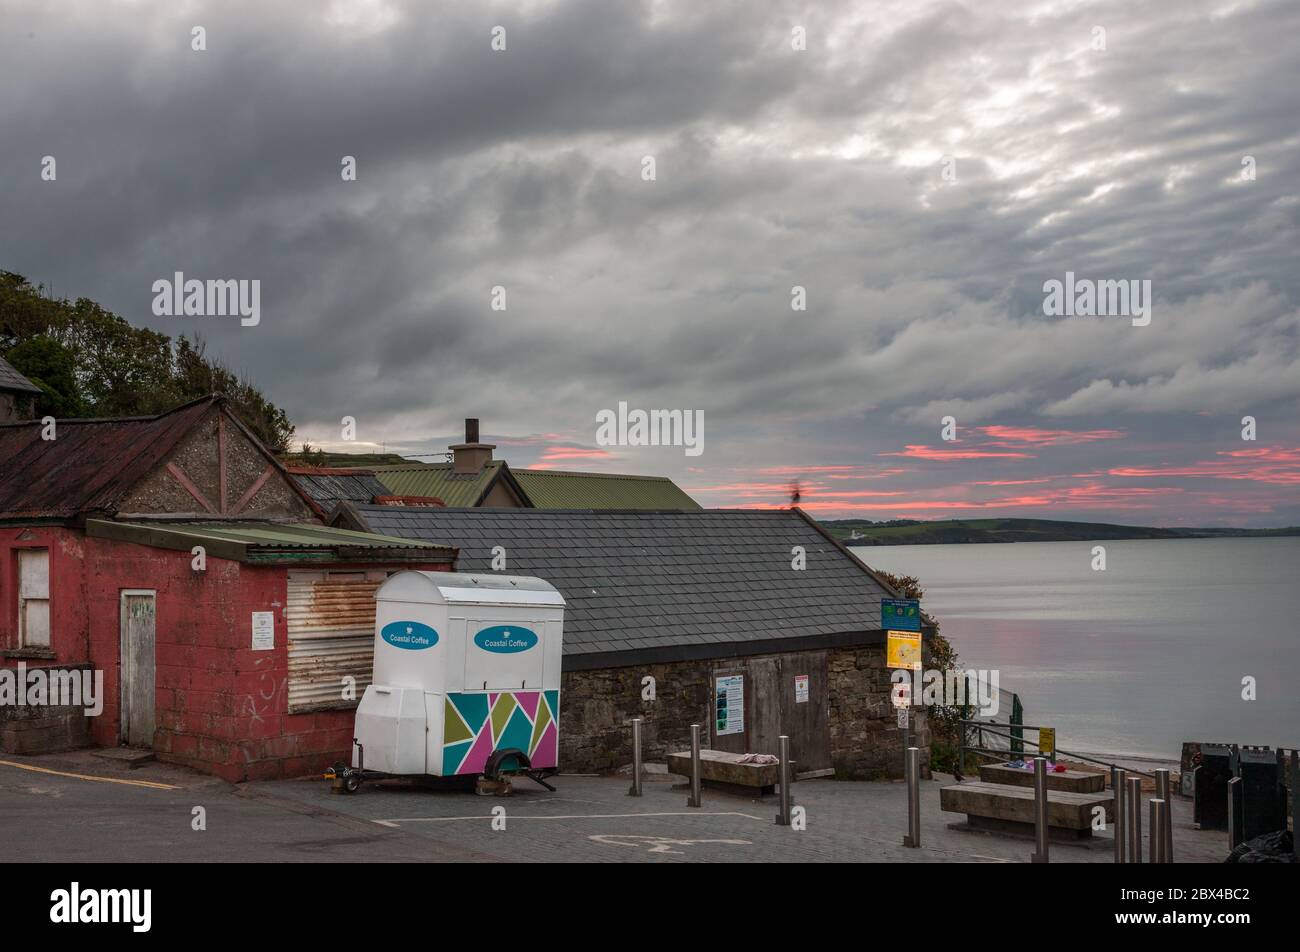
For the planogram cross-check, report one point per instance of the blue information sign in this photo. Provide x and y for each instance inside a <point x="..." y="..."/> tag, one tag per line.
<point x="900" y="614"/>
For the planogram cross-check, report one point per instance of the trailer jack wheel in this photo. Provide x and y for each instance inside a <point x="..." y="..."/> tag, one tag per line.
<point x="344" y="779"/>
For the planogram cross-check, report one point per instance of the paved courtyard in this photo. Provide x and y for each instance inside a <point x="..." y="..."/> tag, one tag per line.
<point x="77" y="807"/>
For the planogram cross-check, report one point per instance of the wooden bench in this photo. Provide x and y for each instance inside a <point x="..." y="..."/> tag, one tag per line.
<point x="725" y="771"/>
<point x="1069" y="781"/>
<point x="1008" y="808"/>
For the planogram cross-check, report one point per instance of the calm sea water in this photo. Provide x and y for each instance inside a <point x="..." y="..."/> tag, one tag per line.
<point x="1135" y="659"/>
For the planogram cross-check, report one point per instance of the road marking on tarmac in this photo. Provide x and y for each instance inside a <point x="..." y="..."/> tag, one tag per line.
<point x="575" y="816"/>
<point x="79" y="776"/>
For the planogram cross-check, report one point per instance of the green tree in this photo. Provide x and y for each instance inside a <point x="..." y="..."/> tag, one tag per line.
<point x="49" y="365"/>
<point x="119" y="369"/>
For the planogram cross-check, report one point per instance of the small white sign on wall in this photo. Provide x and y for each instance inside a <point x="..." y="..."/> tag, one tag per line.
<point x="263" y="631"/>
<point x="801" y="689"/>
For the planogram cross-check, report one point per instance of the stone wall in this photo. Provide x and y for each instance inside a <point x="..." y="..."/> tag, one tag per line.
<point x="44" y="728"/>
<point x="596" y="708"/>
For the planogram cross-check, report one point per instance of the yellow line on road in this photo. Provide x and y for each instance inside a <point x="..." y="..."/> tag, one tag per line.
<point x="80" y="776"/>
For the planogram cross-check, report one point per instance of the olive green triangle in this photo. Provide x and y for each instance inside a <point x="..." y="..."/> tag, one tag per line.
<point x="453" y="728"/>
<point x="543" y="718"/>
<point x="501" y="713"/>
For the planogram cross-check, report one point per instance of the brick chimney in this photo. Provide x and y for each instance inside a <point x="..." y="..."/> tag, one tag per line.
<point x="469" y="458"/>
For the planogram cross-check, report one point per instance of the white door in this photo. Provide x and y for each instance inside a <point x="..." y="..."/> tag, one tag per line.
<point x="138" y="628"/>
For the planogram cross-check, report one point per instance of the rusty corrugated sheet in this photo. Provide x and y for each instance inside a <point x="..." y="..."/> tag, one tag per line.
<point x="331" y="623"/>
<point x="89" y="465"/>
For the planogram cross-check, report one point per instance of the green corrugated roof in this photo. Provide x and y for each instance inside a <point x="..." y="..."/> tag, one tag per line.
<point x="556" y="489"/>
<point x="438" y="479"/>
<point x="293" y="536"/>
<point x="266" y="542"/>
<point x="545" y="488"/>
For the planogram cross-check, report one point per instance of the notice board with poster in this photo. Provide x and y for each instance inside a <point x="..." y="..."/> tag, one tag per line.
<point x="729" y="705"/>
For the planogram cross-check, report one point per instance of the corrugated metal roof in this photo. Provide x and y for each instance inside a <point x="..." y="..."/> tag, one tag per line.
<point x="11" y="379"/>
<point x="438" y="479"/>
<point x="262" y="542"/>
<point x="647" y="585"/>
<point x="546" y="489"/>
<point x="89" y="465"/>
<point x="556" y="489"/>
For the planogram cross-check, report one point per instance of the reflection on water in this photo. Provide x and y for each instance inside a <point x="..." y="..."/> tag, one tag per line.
<point x="1136" y="659"/>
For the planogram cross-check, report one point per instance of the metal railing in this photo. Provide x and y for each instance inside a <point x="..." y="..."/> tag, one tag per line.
<point x="1014" y="734"/>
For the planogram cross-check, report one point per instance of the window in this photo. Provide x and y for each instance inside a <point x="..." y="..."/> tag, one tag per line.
<point x="33" y="598"/>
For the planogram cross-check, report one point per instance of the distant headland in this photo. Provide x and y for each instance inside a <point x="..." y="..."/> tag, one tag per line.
<point x="950" y="531"/>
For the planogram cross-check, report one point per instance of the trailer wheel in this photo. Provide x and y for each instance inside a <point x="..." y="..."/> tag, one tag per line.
<point x="352" y="783"/>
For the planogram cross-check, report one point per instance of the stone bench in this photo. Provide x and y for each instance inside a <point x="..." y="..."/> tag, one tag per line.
<point x="1070" y="781"/>
<point x="721" y="769"/>
<point x="1006" y="808"/>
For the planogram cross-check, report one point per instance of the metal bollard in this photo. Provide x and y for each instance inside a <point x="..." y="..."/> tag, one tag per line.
<point x="694" y="799"/>
<point x="783" y="817"/>
<point x="1295" y="791"/>
<point x="912" y="758"/>
<point x="1117" y="783"/>
<point x="1156" y="839"/>
<point x="1040" y="810"/>
<point x="1235" y="832"/>
<point x="635" y="790"/>
<point x="1165" y="792"/>
<point x="1134" y="798"/>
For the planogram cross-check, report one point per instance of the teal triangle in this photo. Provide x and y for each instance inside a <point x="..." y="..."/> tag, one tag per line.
<point x="472" y="707"/>
<point x="553" y="702"/>
<point x="452" y="755"/>
<point x="518" y="732"/>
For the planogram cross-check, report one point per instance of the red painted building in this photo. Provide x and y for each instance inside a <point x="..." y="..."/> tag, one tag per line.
<point x="174" y="556"/>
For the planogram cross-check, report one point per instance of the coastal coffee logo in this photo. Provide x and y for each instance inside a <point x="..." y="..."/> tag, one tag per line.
<point x="626" y="427"/>
<point x="52" y="687"/>
<point x="976" y="687"/>
<point x="411" y="635"/>
<point x="77" y="905"/>
<point x="505" y="639"/>
<point x="212" y="298"/>
<point x="1088" y="298"/>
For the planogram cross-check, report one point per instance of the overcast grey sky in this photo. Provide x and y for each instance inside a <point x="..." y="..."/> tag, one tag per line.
<point x="775" y="167"/>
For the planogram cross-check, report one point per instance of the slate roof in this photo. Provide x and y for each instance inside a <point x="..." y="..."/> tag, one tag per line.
<point x="328" y="487"/>
<point x="557" y="489"/>
<point x="89" y="465"/>
<point x="647" y="586"/>
<point x="11" y="379"/>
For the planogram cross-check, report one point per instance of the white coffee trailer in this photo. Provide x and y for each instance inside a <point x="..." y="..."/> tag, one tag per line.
<point x="466" y="678"/>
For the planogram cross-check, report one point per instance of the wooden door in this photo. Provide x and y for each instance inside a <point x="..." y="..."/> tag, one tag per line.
<point x="138" y="631"/>
<point x="780" y="694"/>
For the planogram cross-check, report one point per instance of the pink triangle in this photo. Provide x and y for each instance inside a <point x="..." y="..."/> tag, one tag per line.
<point x="528" y="701"/>
<point x="492" y="702"/>
<point x="476" y="759"/>
<point x="544" y="754"/>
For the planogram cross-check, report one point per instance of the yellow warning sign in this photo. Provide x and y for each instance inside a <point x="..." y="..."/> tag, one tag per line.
<point x="1047" y="741"/>
<point x="904" y="650"/>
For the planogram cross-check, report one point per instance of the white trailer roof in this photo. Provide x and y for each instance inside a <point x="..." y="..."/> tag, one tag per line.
<point x="462" y="588"/>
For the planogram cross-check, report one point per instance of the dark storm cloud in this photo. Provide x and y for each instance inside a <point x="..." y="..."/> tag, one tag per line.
<point x="775" y="168"/>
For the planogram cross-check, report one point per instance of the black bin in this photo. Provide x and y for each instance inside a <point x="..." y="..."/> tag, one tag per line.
<point x="1210" y="804"/>
<point x="1263" y="795"/>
